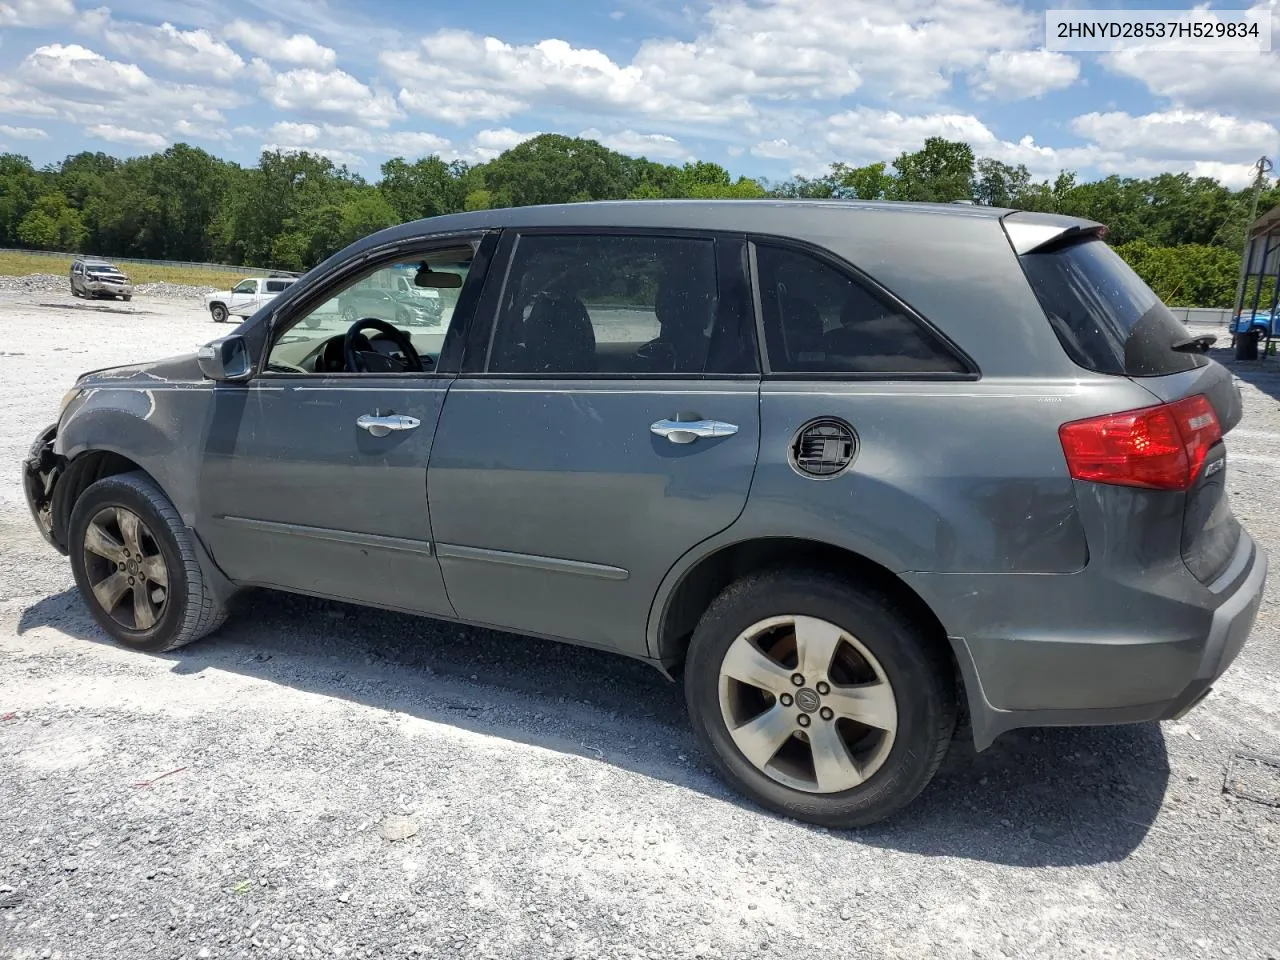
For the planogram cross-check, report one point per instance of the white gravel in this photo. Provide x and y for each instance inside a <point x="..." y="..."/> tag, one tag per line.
<point x="318" y="780"/>
<point x="52" y="283"/>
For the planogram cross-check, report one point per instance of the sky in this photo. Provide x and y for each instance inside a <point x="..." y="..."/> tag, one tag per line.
<point x="767" y="88"/>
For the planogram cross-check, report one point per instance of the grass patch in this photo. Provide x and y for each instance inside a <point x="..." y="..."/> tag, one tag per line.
<point x="23" y="264"/>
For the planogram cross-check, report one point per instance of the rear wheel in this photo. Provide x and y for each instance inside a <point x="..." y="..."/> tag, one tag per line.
<point x="819" y="699"/>
<point x="219" y="313"/>
<point x="136" y="568"/>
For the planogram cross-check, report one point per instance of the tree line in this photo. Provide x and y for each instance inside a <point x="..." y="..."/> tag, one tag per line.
<point x="1183" y="234"/>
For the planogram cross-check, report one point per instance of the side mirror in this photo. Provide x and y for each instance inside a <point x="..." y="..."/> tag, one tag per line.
<point x="226" y="359"/>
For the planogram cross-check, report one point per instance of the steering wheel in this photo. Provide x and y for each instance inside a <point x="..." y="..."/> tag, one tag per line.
<point x="361" y="357"/>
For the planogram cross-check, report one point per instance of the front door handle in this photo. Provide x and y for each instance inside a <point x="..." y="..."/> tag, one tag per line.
<point x="381" y="426"/>
<point x="687" y="431"/>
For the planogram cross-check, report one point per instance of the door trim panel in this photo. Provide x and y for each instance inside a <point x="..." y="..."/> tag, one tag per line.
<point x="600" y="571"/>
<point x="401" y="544"/>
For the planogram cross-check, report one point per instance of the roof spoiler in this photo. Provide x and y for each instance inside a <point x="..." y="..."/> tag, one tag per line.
<point x="1039" y="232"/>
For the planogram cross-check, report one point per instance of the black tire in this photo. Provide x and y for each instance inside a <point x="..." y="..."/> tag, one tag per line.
<point x="915" y="665"/>
<point x="128" y="297"/>
<point x="219" y="313"/>
<point x="190" y="611"/>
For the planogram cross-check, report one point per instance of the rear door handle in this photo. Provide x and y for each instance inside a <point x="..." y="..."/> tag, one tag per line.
<point x="381" y="426"/>
<point x="687" y="431"/>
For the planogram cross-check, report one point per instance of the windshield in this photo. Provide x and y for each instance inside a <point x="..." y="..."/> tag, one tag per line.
<point x="1107" y="319"/>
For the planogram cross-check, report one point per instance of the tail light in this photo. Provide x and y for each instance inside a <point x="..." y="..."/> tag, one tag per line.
<point x="1160" y="447"/>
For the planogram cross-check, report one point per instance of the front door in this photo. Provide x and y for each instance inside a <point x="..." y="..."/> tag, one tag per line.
<point x="611" y="425"/>
<point x="315" y="474"/>
<point x="243" y="301"/>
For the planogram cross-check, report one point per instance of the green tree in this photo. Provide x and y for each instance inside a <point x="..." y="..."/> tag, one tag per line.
<point x="552" y="168"/>
<point x="872" y="182"/>
<point x="20" y="186"/>
<point x="940" y="172"/>
<point x="427" y="187"/>
<point x="52" y="224"/>
<point x="365" y="212"/>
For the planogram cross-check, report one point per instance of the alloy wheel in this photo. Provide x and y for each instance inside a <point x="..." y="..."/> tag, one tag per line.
<point x="125" y="568"/>
<point x="807" y="704"/>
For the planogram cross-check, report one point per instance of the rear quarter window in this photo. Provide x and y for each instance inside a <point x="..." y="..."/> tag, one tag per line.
<point x="1106" y="318"/>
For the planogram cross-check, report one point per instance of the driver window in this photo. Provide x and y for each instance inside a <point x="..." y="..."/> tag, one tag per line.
<point x="415" y="296"/>
<point x="245" y="286"/>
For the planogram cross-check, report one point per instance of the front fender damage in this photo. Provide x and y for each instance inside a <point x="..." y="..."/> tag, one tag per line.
<point x="40" y="473"/>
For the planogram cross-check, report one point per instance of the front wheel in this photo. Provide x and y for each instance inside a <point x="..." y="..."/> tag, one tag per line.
<point x="219" y="313"/>
<point x="820" y="699"/>
<point x="136" y="567"/>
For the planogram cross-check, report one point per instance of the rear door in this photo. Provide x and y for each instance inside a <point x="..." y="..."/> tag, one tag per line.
<point x="606" y="423"/>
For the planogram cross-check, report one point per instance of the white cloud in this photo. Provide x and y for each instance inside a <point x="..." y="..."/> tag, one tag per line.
<point x="201" y="131"/>
<point x="1180" y="134"/>
<point x="269" y="41"/>
<point x="1225" y="82"/>
<point x="780" y="149"/>
<point x="333" y="92"/>
<point x="460" y="106"/>
<point x="187" y="51"/>
<point x="1236" y="175"/>
<point x="745" y="58"/>
<point x="340" y="157"/>
<point x="77" y="70"/>
<point x="1024" y="74"/>
<point x="35" y="13"/>
<point x="73" y="83"/>
<point x="348" y="144"/>
<point x="132" y="138"/>
<point x="487" y="144"/>
<point x="409" y="143"/>
<point x="652" y="145"/>
<point x="22" y="133"/>
<point x="1203" y="81"/>
<point x="19" y="99"/>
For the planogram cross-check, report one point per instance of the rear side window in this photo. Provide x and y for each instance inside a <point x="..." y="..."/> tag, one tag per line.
<point x="276" y="286"/>
<point x="617" y="305"/>
<point x="819" y="319"/>
<point x="1107" y="319"/>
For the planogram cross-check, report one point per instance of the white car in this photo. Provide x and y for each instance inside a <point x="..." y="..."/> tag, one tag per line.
<point x="244" y="299"/>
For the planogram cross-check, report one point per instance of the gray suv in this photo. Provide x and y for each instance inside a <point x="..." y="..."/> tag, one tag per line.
<point x="98" y="278"/>
<point x="855" y="471"/>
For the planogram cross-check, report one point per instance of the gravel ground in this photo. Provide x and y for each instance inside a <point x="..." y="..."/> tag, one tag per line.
<point x="52" y="283"/>
<point x="318" y="780"/>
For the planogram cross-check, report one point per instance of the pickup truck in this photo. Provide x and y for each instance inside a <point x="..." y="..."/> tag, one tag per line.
<point x="244" y="299"/>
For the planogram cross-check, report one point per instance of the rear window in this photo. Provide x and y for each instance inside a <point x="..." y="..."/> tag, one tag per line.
<point x="1106" y="317"/>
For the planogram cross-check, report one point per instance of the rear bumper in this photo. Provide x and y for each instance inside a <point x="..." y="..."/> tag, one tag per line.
<point x="1155" y="661"/>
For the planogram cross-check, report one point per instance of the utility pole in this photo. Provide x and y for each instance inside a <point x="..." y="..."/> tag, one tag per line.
<point x="1261" y="168"/>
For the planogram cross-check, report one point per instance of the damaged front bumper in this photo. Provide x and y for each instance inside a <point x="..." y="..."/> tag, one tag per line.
<point x="40" y="473"/>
